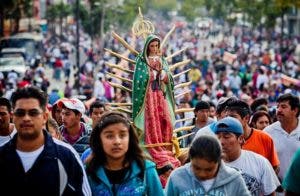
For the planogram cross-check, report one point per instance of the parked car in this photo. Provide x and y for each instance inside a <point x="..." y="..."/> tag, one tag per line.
<point x="13" y="63"/>
<point x="13" y="52"/>
<point x="32" y="43"/>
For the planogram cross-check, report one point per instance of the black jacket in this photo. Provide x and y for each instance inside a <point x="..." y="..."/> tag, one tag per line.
<point x="47" y="176"/>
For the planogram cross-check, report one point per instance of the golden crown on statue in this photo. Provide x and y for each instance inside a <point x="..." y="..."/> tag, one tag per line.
<point x="142" y="27"/>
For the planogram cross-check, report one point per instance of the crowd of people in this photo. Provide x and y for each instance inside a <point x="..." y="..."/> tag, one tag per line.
<point x="227" y="156"/>
<point x="245" y="110"/>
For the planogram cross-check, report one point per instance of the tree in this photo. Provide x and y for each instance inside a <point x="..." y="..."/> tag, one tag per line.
<point x="6" y="6"/>
<point x="59" y="11"/>
<point x="251" y="14"/>
<point x="163" y="7"/>
<point x="128" y="14"/>
<point x="271" y="12"/>
<point x="287" y="3"/>
<point x="268" y="9"/>
<point x="220" y="9"/>
<point x="189" y="9"/>
<point x="51" y="15"/>
<point x="22" y="8"/>
<point x="103" y="14"/>
<point x="28" y="12"/>
<point x="64" y="11"/>
<point x="283" y="6"/>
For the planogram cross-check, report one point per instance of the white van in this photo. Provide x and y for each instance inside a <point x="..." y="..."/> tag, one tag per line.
<point x="31" y="42"/>
<point x="17" y="64"/>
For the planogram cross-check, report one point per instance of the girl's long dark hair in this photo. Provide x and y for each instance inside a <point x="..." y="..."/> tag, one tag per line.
<point x="98" y="159"/>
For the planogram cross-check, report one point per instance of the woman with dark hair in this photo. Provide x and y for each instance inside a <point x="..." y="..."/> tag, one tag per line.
<point x="260" y="120"/>
<point x="206" y="174"/>
<point x="117" y="164"/>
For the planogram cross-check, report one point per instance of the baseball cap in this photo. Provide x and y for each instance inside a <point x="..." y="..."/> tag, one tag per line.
<point x="229" y="124"/>
<point x="73" y="104"/>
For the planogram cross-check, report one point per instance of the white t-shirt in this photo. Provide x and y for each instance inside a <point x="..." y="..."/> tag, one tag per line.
<point x="257" y="172"/>
<point x="262" y="79"/>
<point x="1" y="75"/>
<point x="235" y="82"/>
<point x="28" y="158"/>
<point x="207" y="184"/>
<point x="99" y="90"/>
<point x="286" y="144"/>
<point x="5" y="139"/>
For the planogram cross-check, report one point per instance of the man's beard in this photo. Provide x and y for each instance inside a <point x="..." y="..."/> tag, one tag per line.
<point x="28" y="136"/>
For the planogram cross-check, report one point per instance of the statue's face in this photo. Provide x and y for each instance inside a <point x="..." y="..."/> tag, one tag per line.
<point x="153" y="48"/>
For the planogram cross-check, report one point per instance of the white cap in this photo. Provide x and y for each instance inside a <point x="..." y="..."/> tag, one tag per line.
<point x="73" y="104"/>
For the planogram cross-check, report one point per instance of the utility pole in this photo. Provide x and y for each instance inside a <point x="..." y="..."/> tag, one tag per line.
<point x="76" y="85"/>
<point x="102" y="19"/>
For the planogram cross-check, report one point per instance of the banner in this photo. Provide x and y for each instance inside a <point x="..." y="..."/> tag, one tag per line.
<point x="229" y="58"/>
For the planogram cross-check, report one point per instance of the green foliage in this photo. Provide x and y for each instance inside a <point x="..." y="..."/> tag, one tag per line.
<point x="209" y="5"/>
<point x="253" y="10"/>
<point x="220" y="9"/>
<point x="283" y="4"/>
<point x="83" y="13"/>
<point x="83" y="16"/>
<point x="21" y="6"/>
<point x="126" y="15"/>
<point x="7" y="6"/>
<point x="270" y="11"/>
<point x="164" y="5"/>
<point x="110" y="13"/>
<point x="51" y="13"/>
<point x="27" y="8"/>
<point x="60" y="10"/>
<point x="252" y="13"/>
<point x="220" y="12"/>
<point x="189" y="9"/>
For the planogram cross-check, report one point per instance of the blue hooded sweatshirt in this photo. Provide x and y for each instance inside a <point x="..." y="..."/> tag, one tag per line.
<point x="133" y="185"/>
<point x="228" y="181"/>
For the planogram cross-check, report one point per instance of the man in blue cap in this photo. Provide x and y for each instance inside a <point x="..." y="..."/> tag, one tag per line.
<point x="256" y="170"/>
<point x="254" y="140"/>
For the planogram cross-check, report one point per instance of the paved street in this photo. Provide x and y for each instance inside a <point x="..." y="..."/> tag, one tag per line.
<point x="61" y="84"/>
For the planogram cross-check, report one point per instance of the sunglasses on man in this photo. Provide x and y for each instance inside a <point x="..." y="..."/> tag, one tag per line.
<point x="31" y="113"/>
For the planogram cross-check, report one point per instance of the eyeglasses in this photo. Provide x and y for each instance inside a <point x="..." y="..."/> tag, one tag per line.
<point x="3" y="113"/>
<point x="22" y="113"/>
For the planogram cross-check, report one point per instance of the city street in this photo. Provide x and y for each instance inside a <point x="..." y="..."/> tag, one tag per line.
<point x="169" y="98"/>
<point x="55" y="84"/>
